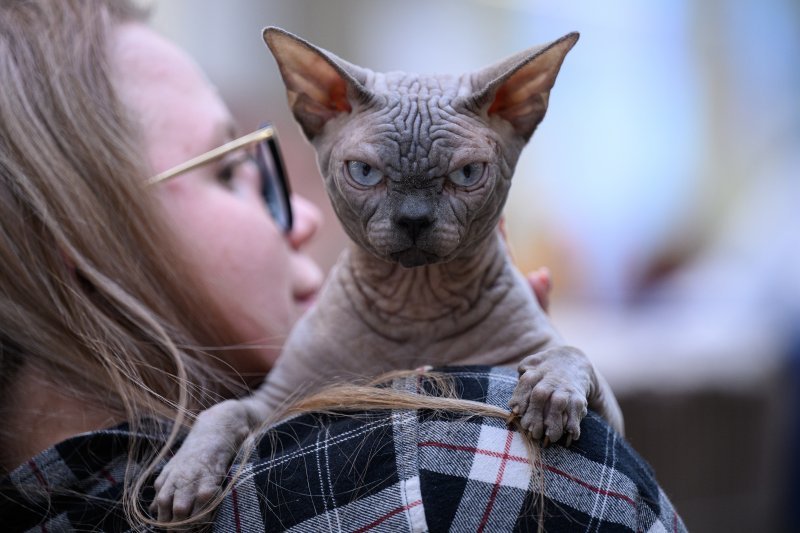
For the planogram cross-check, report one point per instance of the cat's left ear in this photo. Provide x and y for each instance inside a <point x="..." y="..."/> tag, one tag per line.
<point x="319" y="85"/>
<point x="518" y="88"/>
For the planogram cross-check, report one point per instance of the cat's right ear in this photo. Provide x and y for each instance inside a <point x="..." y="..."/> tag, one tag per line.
<point x="518" y="89"/>
<point x="319" y="85"/>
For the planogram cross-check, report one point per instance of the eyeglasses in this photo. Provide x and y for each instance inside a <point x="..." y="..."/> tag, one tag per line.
<point x="262" y="146"/>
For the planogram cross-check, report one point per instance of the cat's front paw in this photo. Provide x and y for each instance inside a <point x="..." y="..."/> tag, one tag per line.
<point x="198" y="470"/>
<point x="551" y="397"/>
<point x="185" y="485"/>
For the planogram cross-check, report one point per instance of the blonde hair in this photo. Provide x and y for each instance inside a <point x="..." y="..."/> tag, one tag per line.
<point x="87" y="295"/>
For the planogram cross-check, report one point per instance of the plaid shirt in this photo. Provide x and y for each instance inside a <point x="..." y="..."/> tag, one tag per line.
<point x="378" y="471"/>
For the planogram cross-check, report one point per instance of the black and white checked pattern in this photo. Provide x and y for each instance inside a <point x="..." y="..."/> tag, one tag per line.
<point x="415" y="470"/>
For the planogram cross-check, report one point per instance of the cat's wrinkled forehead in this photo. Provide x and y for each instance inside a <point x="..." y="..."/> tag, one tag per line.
<point x="419" y="123"/>
<point x="442" y="86"/>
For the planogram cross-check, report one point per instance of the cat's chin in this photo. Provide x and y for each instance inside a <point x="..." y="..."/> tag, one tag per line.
<point x="414" y="257"/>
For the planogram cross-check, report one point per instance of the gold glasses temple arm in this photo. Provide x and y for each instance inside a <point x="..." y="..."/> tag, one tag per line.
<point x="259" y="135"/>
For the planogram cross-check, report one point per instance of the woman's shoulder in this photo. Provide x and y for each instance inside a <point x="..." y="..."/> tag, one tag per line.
<point x="435" y="469"/>
<point x="400" y="469"/>
<point x="77" y="484"/>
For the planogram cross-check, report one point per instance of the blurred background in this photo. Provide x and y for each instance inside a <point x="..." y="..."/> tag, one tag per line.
<point x="662" y="189"/>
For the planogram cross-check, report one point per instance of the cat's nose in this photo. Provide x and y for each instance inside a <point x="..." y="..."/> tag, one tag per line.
<point x="414" y="225"/>
<point x="414" y="215"/>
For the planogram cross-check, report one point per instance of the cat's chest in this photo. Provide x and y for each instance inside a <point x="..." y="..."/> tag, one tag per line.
<point x="416" y="321"/>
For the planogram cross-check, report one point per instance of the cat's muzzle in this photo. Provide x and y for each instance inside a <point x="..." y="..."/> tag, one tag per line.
<point x="414" y="257"/>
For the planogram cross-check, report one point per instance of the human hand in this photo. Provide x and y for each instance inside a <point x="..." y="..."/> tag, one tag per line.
<point x="541" y="284"/>
<point x="540" y="280"/>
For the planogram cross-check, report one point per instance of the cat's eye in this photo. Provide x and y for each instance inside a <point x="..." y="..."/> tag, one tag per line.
<point x="468" y="175"/>
<point x="364" y="174"/>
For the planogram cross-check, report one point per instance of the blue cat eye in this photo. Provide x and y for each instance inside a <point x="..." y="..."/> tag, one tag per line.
<point x="263" y="149"/>
<point x="364" y="174"/>
<point x="467" y="175"/>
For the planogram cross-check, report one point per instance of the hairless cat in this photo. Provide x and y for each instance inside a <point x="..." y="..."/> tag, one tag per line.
<point x="417" y="169"/>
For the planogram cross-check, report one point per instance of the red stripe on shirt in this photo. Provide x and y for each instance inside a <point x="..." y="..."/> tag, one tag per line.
<point x="497" y="483"/>
<point x="106" y="474"/>
<point x="38" y="474"/>
<point x="235" y="503"/>
<point x="491" y="453"/>
<point x="42" y="482"/>
<point x="506" y="456"/>
<point x="590" y="486"/>
<point x="387" y="516"/>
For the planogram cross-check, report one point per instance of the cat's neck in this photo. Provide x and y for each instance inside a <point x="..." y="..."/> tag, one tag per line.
<point x="392" y="293"/>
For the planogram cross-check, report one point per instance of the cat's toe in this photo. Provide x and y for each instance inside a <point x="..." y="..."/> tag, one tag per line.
<point x="555" y="418"/>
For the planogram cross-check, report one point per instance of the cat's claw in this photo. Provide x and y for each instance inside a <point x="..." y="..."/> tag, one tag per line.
<point x="551" y="397"/>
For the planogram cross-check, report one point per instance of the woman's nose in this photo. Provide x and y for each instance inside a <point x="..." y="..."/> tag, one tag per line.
<point x="307" y="219"/>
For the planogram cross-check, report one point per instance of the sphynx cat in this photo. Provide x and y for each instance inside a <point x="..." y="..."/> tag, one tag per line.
<point x="417" y="169"/>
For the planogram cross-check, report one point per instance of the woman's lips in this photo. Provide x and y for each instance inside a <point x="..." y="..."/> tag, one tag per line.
<point x="307" y="281"/>
<point x="306" y="298"/>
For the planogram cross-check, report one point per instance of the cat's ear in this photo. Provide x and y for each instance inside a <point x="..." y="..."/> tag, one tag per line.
<point x="319" y="85"/>
<point x="517" y="89"/>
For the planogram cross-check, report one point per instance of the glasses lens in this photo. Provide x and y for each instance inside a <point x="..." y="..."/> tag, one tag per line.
<point x="274" y="186"/>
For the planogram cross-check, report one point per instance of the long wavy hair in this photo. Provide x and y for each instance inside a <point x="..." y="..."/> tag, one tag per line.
<point x="88" y="296"/>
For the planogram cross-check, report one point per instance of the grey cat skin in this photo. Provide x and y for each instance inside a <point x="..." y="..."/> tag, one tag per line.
<point x="417" y="169"/>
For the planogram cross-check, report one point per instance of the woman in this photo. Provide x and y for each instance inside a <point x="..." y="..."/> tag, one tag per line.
<point x="130" y="302"/>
